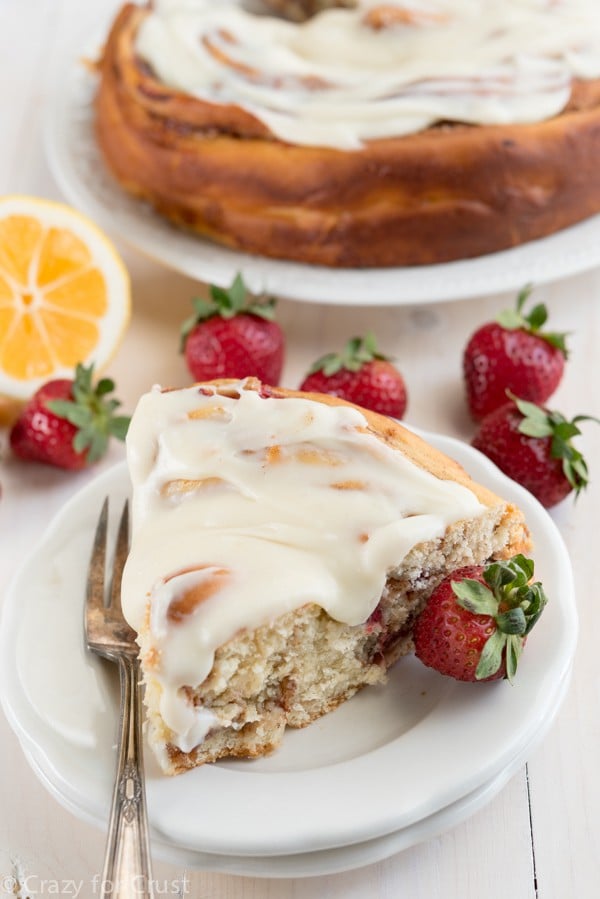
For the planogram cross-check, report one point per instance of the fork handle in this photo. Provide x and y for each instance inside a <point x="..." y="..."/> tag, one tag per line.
<point x="127" y="871"/>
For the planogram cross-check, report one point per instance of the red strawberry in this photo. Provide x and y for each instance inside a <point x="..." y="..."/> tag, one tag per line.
<point x="68" y="422"/>
<point x="232" y="337"/>
<point x="513" y="354"/>
<point x="361" y="375"/>
<point x="533" y="446"/>
<point x="476" y="621"/>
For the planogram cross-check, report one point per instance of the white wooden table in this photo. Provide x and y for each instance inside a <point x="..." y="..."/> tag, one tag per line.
<point x="541" y="835"/>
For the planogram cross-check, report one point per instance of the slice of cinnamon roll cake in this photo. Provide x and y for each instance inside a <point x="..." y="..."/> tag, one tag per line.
<point x="283" y="544"/>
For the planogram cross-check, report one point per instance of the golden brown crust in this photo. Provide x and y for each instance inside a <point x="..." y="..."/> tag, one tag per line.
<point x="450" y="192"/>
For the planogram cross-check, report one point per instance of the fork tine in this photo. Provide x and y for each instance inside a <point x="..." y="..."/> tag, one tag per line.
<point x="95" y="581"/>
<point x="121" y="551"/>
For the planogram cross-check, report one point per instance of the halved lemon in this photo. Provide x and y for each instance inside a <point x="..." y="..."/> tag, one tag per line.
<point x="64" y="294"/>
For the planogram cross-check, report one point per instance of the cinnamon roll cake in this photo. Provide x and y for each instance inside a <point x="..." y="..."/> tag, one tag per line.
<point x="283" y="544"/>
<point x="380" y="134"/>
<point x="298" y="10"/>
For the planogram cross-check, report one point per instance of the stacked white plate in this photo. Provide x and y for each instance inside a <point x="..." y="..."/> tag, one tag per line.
<point x="392" y="767"/>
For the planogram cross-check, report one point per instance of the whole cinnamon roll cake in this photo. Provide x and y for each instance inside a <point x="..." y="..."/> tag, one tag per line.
<point x="400" y="133"/>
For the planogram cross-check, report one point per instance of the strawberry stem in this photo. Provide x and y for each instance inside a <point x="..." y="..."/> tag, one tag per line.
<point x="356" y="353"/>
<point x="515" y="319"/>
<point x="227" y="302"/>
<point x="512" y="601"/>
<point x="538" y="422"/>
<point x="91" y="413"/>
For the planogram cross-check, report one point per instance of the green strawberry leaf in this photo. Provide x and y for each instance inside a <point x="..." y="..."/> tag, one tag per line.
<point x="328" y="364"/>
<point x="512" y="622"/>
<point x="514" y="648"/>
<point x="98" y="446"/>
<point x="82" y="440"/>
<point x="332" y="365"/>
<point x="510" y="319"/>
<point x="536" y="602"/>
<point x="204" y="309"/>
<point x="541" y="423"/>
<point x="536" y="421"/>
<point x="575" y="470"/>
<point x="226" y="302"/>
<point x="491" y="656"/>
<point x="522" y="567"/>
<point x="515" y="319"/>
<point x="475" y="597"/>
<point x="80" y="416"/>
<point x="499" y="574"/>
<point x="357" y="352"/>
<point x="557" y="340"/>
<point x="82" y="385"/>
<point x="370" y="345"/>
<point x="564" y="430"/>
<point x="512" y="601"/>
<point x="523" y="296"/>
<point x="532" y="428"/>
<point x="105" y="385"/>
<point x="579" y="467"/>
<point x="91" y="412"/>
<point x="537" y="317"/>
<point x="234" y="296"/>
<point x="263" y="309"/>
<point x="222" y="297"/>
<point x="118" y="426"/>
<point x="515" y="572"/>
<point x="579" y="418"/>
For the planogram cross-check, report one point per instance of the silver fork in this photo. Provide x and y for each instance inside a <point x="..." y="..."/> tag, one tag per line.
<point x="127" y="870"/>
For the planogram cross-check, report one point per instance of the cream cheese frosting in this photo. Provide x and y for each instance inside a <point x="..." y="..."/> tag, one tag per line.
<point x="246" y="507"/>
<point x="381" y="70"/>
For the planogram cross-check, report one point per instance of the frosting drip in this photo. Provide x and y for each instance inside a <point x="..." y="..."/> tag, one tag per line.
<point x="380" y="70"/>
<point x="248" y="507"/>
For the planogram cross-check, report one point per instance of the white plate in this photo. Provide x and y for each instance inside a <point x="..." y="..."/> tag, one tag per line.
<point x="376" y="758"/>
<point x="320" y="862"/>
<point x="78" y="167"/>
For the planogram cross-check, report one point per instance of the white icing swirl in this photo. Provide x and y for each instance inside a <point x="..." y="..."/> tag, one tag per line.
<point x="295" y="502"/>
<point x="338" y="81"/>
